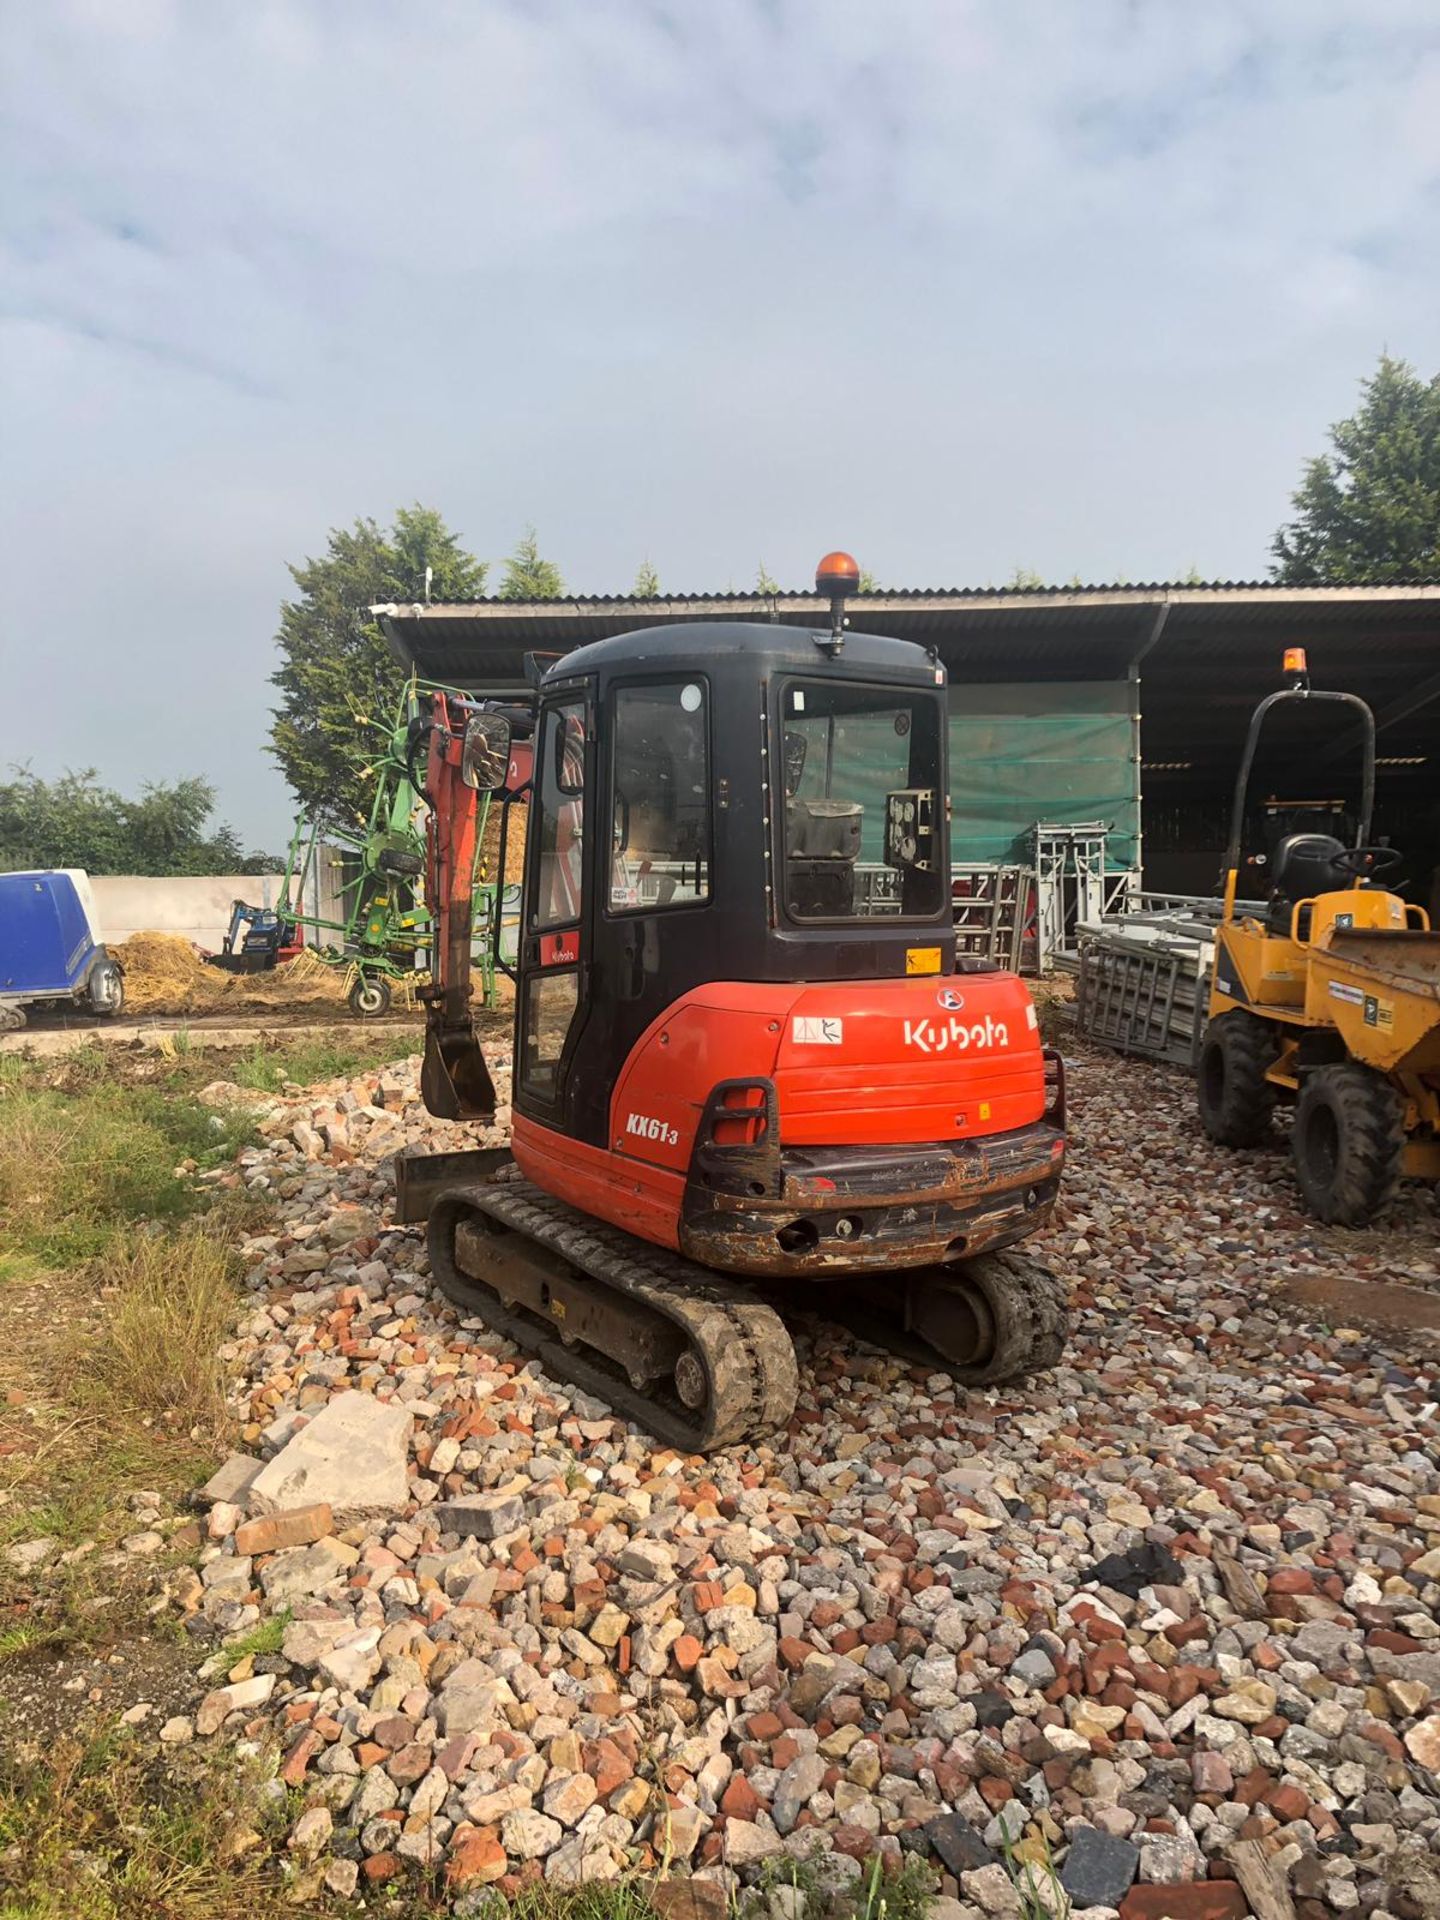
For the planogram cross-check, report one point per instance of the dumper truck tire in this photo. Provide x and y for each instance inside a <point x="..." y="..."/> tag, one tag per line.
<point x="1236" y="1100"/>
<point x="1348" y="1140"/>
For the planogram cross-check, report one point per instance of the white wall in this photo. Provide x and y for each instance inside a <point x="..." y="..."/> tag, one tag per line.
<point x="196" y="908"/>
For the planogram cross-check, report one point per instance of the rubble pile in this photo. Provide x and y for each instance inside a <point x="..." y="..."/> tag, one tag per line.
<point x="1162" y="1629"/>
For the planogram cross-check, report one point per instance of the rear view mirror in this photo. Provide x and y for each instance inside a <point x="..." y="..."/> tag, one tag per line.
<point x="486" y="756"/>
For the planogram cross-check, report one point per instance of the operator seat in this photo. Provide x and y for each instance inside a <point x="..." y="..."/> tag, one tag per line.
<point x="1303" y="865"/>
<point x="822" y="846"/>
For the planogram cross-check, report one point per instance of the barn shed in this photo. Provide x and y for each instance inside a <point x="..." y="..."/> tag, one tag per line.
<point x="1117" y="708"/>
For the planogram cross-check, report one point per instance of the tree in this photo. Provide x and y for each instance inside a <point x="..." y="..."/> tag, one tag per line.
<point x="1369" y="511"/>
<point x="647" y="582"/>
<point x="338" y="673"/>
<point x="75" y="822"/>
<point x="1026" y="580"/>
<point x="763" y="581"/>
<point x="868" y="582"/>
<point x="527" y="576"/>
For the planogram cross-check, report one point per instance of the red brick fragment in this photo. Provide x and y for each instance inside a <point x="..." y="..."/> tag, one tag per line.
<point x="1287" y="1803"/>
<point x="300" y="1756"/>
<point x="739" y="1800"/>
<point x="1193" y="1900"/>
<point x="854" y="1841"/>
<point x="476" y="1858"/>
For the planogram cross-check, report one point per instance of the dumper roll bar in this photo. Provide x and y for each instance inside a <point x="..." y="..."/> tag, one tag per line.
<point x="1247" y="761"/>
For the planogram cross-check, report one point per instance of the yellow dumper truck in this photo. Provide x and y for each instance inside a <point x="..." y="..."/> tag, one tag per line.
<point x="1330" y="1002"/>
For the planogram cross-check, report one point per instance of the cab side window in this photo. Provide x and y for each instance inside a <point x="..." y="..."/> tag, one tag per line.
<point x="560" y="817"/>
<point x="660" y="786"/>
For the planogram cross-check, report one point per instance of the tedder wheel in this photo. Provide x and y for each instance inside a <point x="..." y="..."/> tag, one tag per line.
<point x="370" y="996"/>
<point x="1236" y="1100"/>
<point x="1348" y="1139"/>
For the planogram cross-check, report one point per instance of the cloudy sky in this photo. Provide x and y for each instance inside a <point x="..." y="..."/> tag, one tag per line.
<point x="963" y="285"/>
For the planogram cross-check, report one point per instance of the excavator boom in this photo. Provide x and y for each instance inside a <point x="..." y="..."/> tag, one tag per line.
<point x="455" y="1081"/>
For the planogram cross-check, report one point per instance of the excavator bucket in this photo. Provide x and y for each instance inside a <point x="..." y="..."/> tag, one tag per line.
<point x="455" y="1082"/>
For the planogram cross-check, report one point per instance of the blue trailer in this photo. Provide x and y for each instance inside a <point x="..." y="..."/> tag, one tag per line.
<point x="50" y="953"/>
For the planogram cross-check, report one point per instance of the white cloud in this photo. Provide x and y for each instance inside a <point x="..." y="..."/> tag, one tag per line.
<point x="963" y="285"/>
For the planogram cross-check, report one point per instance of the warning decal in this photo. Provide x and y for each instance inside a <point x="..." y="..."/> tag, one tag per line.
<point x="810" y="1030"/>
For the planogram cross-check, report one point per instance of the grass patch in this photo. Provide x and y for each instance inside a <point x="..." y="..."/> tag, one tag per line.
<point x="97" y="1834"/>
<point x="904" y="1892"/>
<point x="267" y="1069"/>
<point x="22" y="1638"/>
<point x="76" y="1172"/>
<point x="169" y="1308"/>
<point x="118" y="1363"/>
<point x="599" y="1900"/>
<point x="265" y="1638"/>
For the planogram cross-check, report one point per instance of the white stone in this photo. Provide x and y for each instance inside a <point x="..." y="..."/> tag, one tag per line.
<point x="352" y="1456"/>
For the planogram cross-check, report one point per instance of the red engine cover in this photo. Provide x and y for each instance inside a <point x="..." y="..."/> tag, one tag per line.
<point x="862" y="1063"/>
<point x="854" y="1064"/>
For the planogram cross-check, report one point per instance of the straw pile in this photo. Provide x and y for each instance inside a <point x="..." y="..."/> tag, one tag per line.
<point x="165" y="974"/>
<point x="304" y="981"/>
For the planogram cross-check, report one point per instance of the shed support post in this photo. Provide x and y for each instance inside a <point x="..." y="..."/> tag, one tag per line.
<point x="1147" y="646"/>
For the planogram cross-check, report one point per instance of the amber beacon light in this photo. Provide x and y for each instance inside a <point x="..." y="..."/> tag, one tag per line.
<point x="1297" y="666"/>
<point x="837" y="575"/>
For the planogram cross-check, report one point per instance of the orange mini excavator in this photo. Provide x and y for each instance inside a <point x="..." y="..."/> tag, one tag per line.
<point x="745" y="1063"/>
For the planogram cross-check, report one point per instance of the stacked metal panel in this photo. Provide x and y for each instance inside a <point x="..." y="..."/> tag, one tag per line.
<point x="994" y="906"/>
<point x="1142" y="978"/>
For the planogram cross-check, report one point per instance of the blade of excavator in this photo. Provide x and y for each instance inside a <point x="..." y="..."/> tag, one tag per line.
<point x="455" y="1082"/>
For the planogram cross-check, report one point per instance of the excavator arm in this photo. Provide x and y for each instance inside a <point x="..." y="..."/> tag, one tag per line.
<point x="467" y="753"/>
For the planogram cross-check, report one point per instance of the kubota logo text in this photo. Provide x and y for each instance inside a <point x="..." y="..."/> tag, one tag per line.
<point x="931" y="1036"/>
<point x="649" y="1129"/>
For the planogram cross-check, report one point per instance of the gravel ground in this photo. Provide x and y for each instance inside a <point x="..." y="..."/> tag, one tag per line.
<point x="1168" y="1618"/>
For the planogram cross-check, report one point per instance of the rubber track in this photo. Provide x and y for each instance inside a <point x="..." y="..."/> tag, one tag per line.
<point x="746" y="1351"/>
<point x="1030" y="1310"/>
<point x="1042" y="1298"/>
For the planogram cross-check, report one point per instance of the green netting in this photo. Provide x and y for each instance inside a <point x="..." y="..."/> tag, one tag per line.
<point x="1045" y="750"/>
<point x="862" y="759"/>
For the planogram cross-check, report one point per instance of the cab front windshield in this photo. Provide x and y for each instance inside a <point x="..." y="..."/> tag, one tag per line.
<point x="863" y="830"/>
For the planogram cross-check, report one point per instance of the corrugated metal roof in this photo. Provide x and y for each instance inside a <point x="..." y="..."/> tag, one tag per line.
<point x="1216" y="656"/>
<point x="880" y="595"/>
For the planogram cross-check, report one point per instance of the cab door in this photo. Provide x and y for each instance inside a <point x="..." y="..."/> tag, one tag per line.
<point x="555" y="939"/>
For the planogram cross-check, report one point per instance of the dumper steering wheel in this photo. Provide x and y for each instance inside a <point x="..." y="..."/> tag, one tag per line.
<point x="1366" y="863"/>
